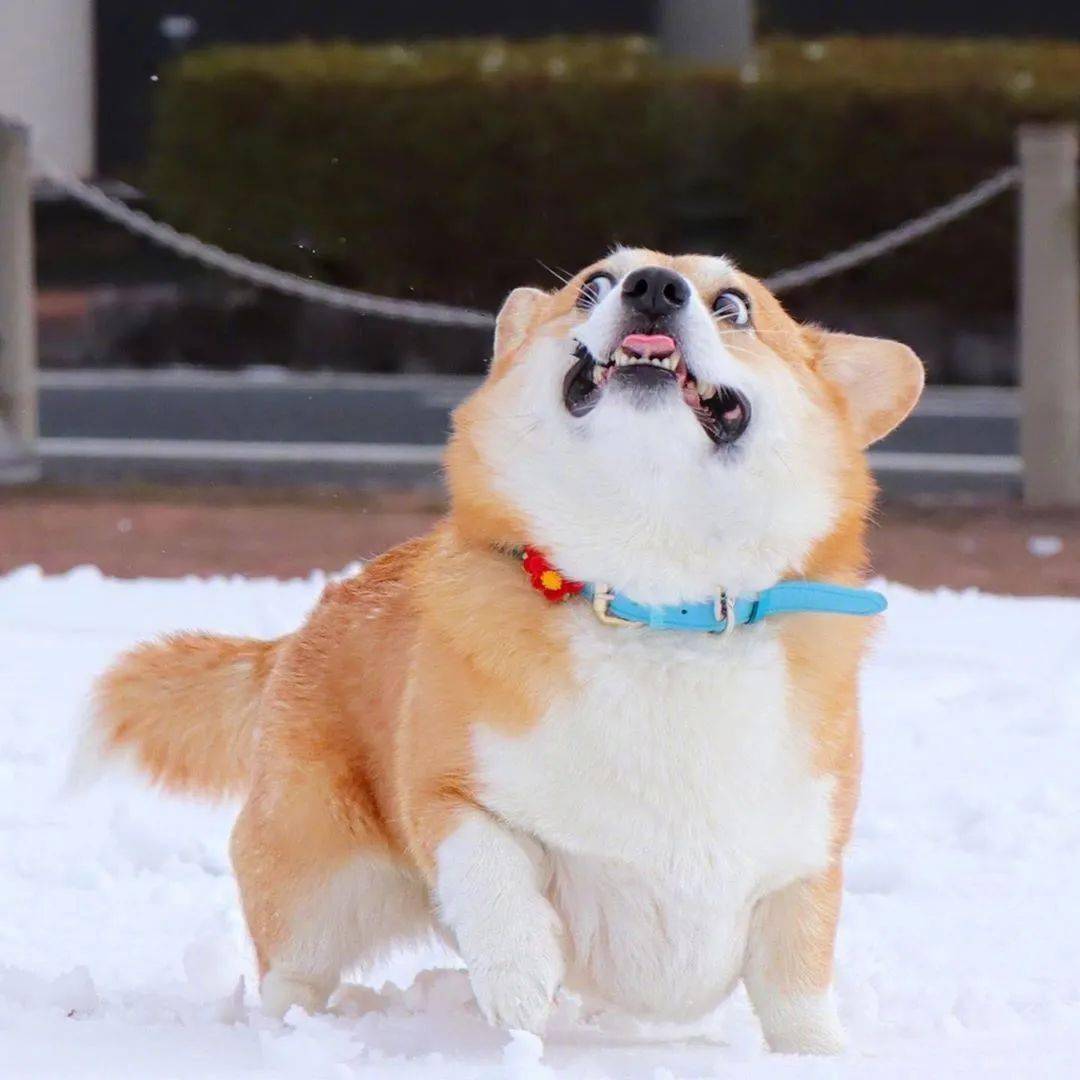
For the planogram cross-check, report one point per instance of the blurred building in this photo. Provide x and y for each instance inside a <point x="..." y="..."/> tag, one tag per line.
<point x="83" y="72"/>
<point x="135" y="37"/>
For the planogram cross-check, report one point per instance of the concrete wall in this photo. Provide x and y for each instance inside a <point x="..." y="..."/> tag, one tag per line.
<point x="47" y="76"/>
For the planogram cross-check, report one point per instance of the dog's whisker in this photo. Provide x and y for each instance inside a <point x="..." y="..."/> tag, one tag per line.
<point x="564" y="278"/>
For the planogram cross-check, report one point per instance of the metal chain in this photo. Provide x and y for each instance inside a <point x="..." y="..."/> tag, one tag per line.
<point x="190" y="247"/>
<point x="883" y="243"/>
<point x="435" y="314"/>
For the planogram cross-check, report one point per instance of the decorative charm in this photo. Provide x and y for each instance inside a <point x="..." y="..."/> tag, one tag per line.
<point x="546" y="579"/>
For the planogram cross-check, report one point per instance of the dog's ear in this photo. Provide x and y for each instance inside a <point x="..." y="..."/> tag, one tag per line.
<point x="881" y="381"/>
<point x="514" y="320"/>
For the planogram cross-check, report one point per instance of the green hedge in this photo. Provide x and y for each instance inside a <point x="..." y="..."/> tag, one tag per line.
<point x="446" y="170"/>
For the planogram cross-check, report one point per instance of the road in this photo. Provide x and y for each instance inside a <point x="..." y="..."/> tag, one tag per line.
<point x="364" y="430"/>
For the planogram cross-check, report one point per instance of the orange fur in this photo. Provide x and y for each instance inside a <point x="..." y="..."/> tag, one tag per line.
<point x="187" y="707"/>
<point x="353" y="735"/>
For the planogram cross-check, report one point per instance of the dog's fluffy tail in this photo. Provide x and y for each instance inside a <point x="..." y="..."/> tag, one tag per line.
<point x="183" y="710"/>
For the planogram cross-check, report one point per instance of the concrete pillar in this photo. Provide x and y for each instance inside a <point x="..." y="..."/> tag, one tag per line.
<point x="1049" y="315"/>
<point x="47" y="76"/>
<point x="719" y="32"/>
<point x="18" y="329"/>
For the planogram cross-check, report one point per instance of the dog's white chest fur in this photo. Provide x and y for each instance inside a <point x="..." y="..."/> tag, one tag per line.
<point x="673" y="791"/>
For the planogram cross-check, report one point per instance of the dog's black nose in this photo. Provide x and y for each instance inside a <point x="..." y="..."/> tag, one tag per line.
<point x="655" y="291"/>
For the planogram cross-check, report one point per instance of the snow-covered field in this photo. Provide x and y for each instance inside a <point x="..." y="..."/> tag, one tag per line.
<point x="122" y="952"/>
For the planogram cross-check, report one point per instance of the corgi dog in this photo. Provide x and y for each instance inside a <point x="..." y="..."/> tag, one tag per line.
<point x="502" y="730"/>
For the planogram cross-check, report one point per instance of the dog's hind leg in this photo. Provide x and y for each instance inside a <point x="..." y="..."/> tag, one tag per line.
<point x="789" y="966"/>
<point x="319" y="895"/>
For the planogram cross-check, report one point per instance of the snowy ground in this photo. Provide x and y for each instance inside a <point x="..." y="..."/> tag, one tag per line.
<point x="122" y="950"/>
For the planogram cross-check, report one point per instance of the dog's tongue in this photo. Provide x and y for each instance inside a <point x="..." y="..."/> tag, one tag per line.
<point x="649" y="346"/>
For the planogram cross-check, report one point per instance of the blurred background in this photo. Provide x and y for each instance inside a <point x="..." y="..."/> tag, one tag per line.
<point x="185" y="419"/>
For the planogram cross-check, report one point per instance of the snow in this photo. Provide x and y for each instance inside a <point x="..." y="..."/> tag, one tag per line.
<point x="1045" y="547"/>
<point x="122" y="950"/>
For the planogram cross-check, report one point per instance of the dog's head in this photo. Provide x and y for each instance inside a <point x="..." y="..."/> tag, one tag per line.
<point x="662" y="425"/>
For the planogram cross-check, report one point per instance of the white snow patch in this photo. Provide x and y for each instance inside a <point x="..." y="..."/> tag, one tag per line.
<point x="1045" y="547"/>
<point x="123" y="953"/>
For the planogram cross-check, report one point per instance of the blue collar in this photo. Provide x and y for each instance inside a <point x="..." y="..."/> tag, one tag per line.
<point x="714" y="616"/>
<point x="719" y="615"/>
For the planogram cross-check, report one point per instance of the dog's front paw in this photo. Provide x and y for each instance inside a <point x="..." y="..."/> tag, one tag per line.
<point x="516" y="975"/>
<point x="516" y="994"/>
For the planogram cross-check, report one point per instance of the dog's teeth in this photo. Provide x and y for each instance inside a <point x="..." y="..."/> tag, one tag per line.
<point x="620" y="358"/>
<point x="705" y="390"/>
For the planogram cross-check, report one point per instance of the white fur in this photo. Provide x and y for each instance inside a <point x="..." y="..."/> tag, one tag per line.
<point x="673" y="788"/>
<point x="358" y="914"/>
<point x="639" y="497"/>
<point x="94" y="758"/>
<point x="672" y="793"/>
<point x="490" y="891"/>
<point x="799" y="1023"/>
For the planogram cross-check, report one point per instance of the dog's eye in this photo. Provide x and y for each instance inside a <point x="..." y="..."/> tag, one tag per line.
<point x="732" y="306"/>
<point x="595" y="289"/>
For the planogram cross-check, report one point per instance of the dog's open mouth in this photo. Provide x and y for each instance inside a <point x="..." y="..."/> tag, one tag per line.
<point x="653" y="360"/>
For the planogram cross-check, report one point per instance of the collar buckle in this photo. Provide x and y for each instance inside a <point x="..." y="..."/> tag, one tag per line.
<point x="724" y="612"/>
<point x="601" y="605"/>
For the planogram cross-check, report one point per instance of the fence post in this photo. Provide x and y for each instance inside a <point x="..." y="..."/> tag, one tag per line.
<point x="708" y="31"/>
<point x="18" y="330"/>
<point x="1049" y="315"/>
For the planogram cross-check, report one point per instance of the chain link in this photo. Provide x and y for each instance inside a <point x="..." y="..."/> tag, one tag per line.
<point x="435" y="314"/>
